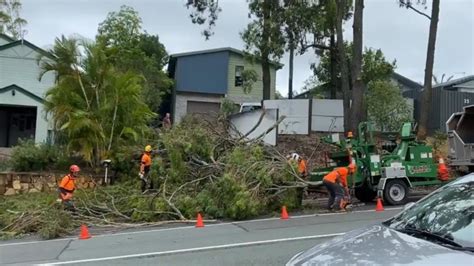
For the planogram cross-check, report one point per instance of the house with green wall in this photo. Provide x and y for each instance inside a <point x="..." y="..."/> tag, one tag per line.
<point x="22" y="114"/>
<point x="204" y="78"/>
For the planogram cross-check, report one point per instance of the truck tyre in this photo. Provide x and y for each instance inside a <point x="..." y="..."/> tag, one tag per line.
<point x="395" y="192"/>
<point x="364" y="193"/>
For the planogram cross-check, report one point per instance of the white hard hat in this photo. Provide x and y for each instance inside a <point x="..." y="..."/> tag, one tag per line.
<point x="295" y="156"/>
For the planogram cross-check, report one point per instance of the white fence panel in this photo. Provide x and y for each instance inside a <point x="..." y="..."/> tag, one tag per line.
<point x="244" y="122"/>
<point x="296" y="112"/>
<point x="327" y="115"/>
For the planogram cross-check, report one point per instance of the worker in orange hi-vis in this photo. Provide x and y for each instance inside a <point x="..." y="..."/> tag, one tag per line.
<point x="145" y="167"/>
<point x="302" y="168"/>
<point x="336" y="184"/>
<point x="67" y="186"/>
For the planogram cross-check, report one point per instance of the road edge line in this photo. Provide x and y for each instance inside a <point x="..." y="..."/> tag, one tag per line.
<point x="199" y="249"/>
<point x="191" y="226"/>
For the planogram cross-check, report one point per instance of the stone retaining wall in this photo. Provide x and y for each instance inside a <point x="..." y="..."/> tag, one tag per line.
<point x="12" y="183"/>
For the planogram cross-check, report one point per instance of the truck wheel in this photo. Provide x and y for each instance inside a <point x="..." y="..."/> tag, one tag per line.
<point x="395" y="192"/>
<point x="365" y="194"/>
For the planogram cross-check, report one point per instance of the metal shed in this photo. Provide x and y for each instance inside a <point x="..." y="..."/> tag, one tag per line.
<point x="448" y="98"/>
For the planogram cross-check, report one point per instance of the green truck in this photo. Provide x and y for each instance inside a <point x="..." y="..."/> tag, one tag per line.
<point x="388" y="172"/>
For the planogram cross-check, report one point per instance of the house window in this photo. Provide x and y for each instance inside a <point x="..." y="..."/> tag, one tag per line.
<point x="238" y="76"/>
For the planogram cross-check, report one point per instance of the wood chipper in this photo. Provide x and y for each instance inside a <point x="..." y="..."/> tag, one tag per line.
<point x="460" y="128"/>
<point x="389" y="172"/>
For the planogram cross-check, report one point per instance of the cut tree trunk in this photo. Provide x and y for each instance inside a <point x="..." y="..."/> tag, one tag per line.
<point x="357" y="108"/>
<point x="333" y="64"/>
<point x="290" y="74"/>
<point x="427" y="90"/>
<point x="343" y="64"/>
<point x="265" y="52"/>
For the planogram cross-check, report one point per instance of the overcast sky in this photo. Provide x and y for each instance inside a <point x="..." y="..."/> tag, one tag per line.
<point x="400" y="33"/>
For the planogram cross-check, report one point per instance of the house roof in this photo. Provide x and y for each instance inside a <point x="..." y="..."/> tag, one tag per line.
<point x="6" y="37"/>
<point x="20" y="89"/>
<point x="406" y="81"/>
<point x="457" y="83"/>
<point x="217" y="50"/>
<point x="26" y="43"/>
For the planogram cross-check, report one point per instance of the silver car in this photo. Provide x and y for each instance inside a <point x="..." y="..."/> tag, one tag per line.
<point x="437" y="230"/>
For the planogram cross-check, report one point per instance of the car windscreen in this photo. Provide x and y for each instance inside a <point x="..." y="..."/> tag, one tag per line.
<point x="447" y="213"/>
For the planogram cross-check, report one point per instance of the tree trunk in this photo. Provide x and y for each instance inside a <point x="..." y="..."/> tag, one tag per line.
<point x="343" y="63"/>
<point x="357" y="84"/>
<point x="333" y="64"/>
<point x="426" y="97"/>
<point x="290" y="74"/>
<point x="265" y="51"/>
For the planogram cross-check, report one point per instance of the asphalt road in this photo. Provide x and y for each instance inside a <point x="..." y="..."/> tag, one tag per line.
<point x="257" y="242"/>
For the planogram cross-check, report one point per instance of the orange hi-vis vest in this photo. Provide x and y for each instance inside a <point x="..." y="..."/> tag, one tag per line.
<point x="343" y="172"/>
<point x="67" y="185"/>
<point x="146" y="161"/>
<point x="302" y="168"/>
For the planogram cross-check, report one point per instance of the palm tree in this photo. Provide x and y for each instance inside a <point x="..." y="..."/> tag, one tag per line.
<point x="436" y="80"/>
<point x="96" y="106"/>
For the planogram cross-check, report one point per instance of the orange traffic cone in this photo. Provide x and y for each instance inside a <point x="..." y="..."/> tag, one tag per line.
<point x="199" y="222"/>
<point x="84" y="233"/>
<point x="443" y="173"/>
<point x="284" y="214"/>
<point x="379" y="207"/>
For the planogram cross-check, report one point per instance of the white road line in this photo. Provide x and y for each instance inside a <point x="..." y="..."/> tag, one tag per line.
<point x="178" y="251"/>
<point x="191" y="227"/>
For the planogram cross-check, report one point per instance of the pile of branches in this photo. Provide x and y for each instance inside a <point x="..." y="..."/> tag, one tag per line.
<point x="200" y="168"/>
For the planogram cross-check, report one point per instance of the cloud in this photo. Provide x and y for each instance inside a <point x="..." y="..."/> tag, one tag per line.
<point x="400" y="33"/>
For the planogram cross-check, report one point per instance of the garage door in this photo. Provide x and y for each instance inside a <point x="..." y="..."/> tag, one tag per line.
<point x="203" y="108"/>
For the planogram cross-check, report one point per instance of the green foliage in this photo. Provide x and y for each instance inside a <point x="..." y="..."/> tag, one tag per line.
<point x="254" y="35"/>
<point x="121" y="29"/>
<point x="28" y="156"/>
<point x="4" y="165"/>
<point x="204" y="12"/>
<point x="374" y="66"/>
<point x="10" y="21"/>
<point x="31" y="213"/>
<point x="198" y="170"/>
<point x="182" y="144"/>
<point x="439" y="142"/>
<point x="129" y="49"/>
<point x="439" y="139"/>
<point x="56" y="223"/>
<point x="242" y="185"/>
<point x="228" y="107"/>
<point x="386" y="105"/>
<point x="249" y="77"/>
<point x="96" y="106"/>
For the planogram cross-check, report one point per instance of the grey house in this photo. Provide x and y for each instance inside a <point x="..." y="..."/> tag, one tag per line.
<point x="448" y="98"/>
<point x="204" y="78"/>
<point x="21" y="93"/>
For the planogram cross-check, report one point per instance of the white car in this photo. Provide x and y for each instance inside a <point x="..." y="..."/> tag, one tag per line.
<point x="247" y="107"/>
<point x="437" y="230"/>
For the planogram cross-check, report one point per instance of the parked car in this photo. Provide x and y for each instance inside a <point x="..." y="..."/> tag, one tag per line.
<point x="437" y="230"/>
<point x="247" y="107"/>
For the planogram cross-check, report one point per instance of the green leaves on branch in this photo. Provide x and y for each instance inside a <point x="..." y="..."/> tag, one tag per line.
<point x="204" y="12"/>
<point x="386" y="105"/>
<point x="120" y="29"/>
<point x="129" y="48"/>
<point x="374" y="67"/>
<point x="249" y="77"/>
<point x="10" y="21"/>
<point x="94" y="104"/>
